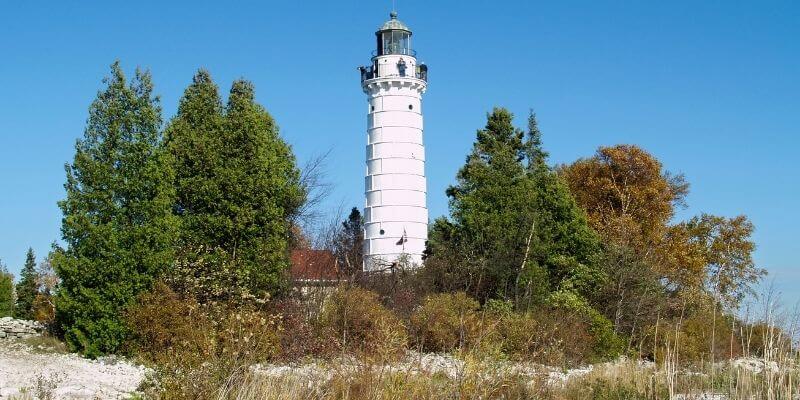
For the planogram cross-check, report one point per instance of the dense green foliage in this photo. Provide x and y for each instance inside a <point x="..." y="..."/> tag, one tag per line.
<point x="27" y="288"/>
<point x="515" y="231"/>
<point x="237" y="189"/>
<point x="6" y="292"/>
<point x="118" y="224"/>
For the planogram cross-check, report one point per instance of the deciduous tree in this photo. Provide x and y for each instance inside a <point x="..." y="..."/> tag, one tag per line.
<point x="627" y="194"/>
<point x="727" y="248"/>
<point x="630" y="200"/>
<point x="656" y="267"/>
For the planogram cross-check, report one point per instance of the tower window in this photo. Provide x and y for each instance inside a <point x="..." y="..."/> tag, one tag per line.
<point x="410" y="106"/>
<point x="372" y="108"/>
<point x="395" y="42"/>
<point x="382" y="231"/>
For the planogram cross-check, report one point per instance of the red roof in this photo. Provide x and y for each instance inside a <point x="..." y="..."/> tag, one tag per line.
<point x="316" y="265"/>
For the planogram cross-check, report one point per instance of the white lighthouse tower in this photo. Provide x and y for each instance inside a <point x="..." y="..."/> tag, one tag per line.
<point x="395" y="214"/>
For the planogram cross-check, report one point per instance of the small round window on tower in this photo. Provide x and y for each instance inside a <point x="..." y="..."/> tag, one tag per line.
<point x="382" y="231"/>
<point x="410" y="107"/>
<point x="372" y="108"/>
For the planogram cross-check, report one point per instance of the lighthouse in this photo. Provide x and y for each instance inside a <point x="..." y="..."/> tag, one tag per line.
<point x="395" y="212"/>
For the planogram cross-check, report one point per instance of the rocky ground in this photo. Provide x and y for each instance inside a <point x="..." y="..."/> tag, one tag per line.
<point x="37" y="368"/>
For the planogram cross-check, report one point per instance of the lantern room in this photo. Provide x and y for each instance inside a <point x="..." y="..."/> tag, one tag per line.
<point x="394" y="37"/>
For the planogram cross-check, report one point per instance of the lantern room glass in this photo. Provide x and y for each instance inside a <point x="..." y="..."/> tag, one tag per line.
<point x="396" y="42"/>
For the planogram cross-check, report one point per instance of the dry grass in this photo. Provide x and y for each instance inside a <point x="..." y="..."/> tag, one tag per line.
<point x="617" y="380"/>
<point x="368" y="381"/>
<point x="43" y="344"/>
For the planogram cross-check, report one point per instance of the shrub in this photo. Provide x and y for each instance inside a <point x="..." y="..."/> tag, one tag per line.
<point x="301" y="334"/>
<point x="500" y="308"/>
<point x="698" y="334"/>
<point x="446" y="322"/>
<point x="605" y="343"/>
<point x="43" y="309"/>
<point x="199" y="349"/>
<point x="169" y="330"/>
<point x="401" y="290"/>
<point x="545" y="335"/>
<point x="522" y="336"/>
<point x="360" y="323"/>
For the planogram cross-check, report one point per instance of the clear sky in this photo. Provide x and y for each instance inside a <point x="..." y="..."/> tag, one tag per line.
<point x="711" y="88"/>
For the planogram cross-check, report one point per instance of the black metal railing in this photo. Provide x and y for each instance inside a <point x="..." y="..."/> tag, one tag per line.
<point x="368" y="73"/>
<point x="395" y="51"/>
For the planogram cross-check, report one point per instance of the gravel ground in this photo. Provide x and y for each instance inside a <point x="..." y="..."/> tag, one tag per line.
<point x="36" y="371"/>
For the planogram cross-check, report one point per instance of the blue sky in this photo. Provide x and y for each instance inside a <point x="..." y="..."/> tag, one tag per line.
<point x="711" y="88"/>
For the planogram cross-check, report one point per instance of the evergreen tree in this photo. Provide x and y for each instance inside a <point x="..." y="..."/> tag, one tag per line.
<point x="27" y="288"/>
<point x="514" y="220"/>
<point x="537" y="156"/>
<point x="118" y="224"/>
<point x="237" y="189"/>
<point x="6" y="292"/>
<point x="349" y="246"/>
<point x="195" y="140"/>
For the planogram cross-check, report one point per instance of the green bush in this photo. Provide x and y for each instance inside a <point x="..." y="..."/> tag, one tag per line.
<point x="605" y="343"/>
<point x="499" y="308"/>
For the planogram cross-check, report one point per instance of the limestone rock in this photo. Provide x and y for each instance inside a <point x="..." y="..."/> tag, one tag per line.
<point x="18" y="328"/>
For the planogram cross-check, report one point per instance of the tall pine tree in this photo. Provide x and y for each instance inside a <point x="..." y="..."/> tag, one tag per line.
<point x="237" y="188"/>
<point x="515" y="223"/>
<point x="27" y="288"/>
<point x="118" y="224"/>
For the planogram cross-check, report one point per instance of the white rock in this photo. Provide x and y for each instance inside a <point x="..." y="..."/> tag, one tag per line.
<point x="70" y="375"/>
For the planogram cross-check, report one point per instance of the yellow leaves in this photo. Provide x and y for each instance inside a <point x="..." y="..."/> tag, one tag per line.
<point x="628" y="196"/>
